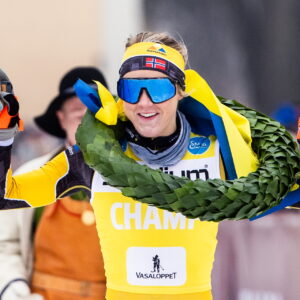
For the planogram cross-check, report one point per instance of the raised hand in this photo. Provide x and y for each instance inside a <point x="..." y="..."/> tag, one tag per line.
<point x="9" y="108"/>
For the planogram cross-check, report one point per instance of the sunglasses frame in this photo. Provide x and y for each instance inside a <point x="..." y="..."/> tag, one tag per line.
<point x="173" y="82"/>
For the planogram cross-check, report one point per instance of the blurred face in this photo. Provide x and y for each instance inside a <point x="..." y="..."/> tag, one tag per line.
<point x="69" y="116"/>
<point x="150" y="119"/>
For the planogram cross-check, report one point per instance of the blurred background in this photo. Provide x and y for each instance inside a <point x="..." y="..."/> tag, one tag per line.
<point x="246" y="49"/>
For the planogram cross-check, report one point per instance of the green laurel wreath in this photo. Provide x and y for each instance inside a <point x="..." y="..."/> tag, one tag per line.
<point x="211" y="200"/>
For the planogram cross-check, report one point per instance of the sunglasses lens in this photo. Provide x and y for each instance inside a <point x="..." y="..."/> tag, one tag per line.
<point x="128" y="91"/>
<point x="159" y="89"/>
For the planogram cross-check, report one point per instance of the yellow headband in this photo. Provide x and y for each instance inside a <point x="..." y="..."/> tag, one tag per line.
<point x="157" y="50"/>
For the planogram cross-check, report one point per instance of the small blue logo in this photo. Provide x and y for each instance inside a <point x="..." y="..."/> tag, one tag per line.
<point x="199" y="145"/>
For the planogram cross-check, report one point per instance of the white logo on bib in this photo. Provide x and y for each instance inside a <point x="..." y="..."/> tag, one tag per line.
<point x="157" y="266"/>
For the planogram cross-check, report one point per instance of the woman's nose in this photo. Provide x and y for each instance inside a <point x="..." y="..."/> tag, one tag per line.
<point x="144" y="98"/>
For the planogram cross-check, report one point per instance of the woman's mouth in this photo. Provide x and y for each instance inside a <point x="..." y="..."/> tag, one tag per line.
<point x="148" y="115"/>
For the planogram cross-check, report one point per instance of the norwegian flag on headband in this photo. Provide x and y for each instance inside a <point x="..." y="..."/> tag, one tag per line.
<point x="155" y="63"/>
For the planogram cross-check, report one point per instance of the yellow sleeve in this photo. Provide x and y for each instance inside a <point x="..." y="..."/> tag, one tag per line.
<point x="39" y="187"/>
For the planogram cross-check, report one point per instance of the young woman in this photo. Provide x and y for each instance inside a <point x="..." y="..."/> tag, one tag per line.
<point x="149" y="253"/>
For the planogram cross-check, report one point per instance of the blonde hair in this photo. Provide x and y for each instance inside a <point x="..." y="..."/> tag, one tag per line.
<point x="161" y="38"/>
<point x="164" y="39"/>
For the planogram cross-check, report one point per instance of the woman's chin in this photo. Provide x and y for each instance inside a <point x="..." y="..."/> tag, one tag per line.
<point x="148" y="132"/>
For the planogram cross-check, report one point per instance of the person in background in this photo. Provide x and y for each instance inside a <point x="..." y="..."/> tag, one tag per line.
<point x="53" y="253"/>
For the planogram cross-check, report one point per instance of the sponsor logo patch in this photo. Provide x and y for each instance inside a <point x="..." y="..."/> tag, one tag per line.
<point x="157" y="48"/>
<point x="198" y="145"/>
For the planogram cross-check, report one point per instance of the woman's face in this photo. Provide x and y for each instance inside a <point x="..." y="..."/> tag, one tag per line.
<point x="150" y="119"/>
<point x="69" y="116"/>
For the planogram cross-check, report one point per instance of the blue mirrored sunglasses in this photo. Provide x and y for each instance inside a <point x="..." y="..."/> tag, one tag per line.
<point x="158" y="89"/>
